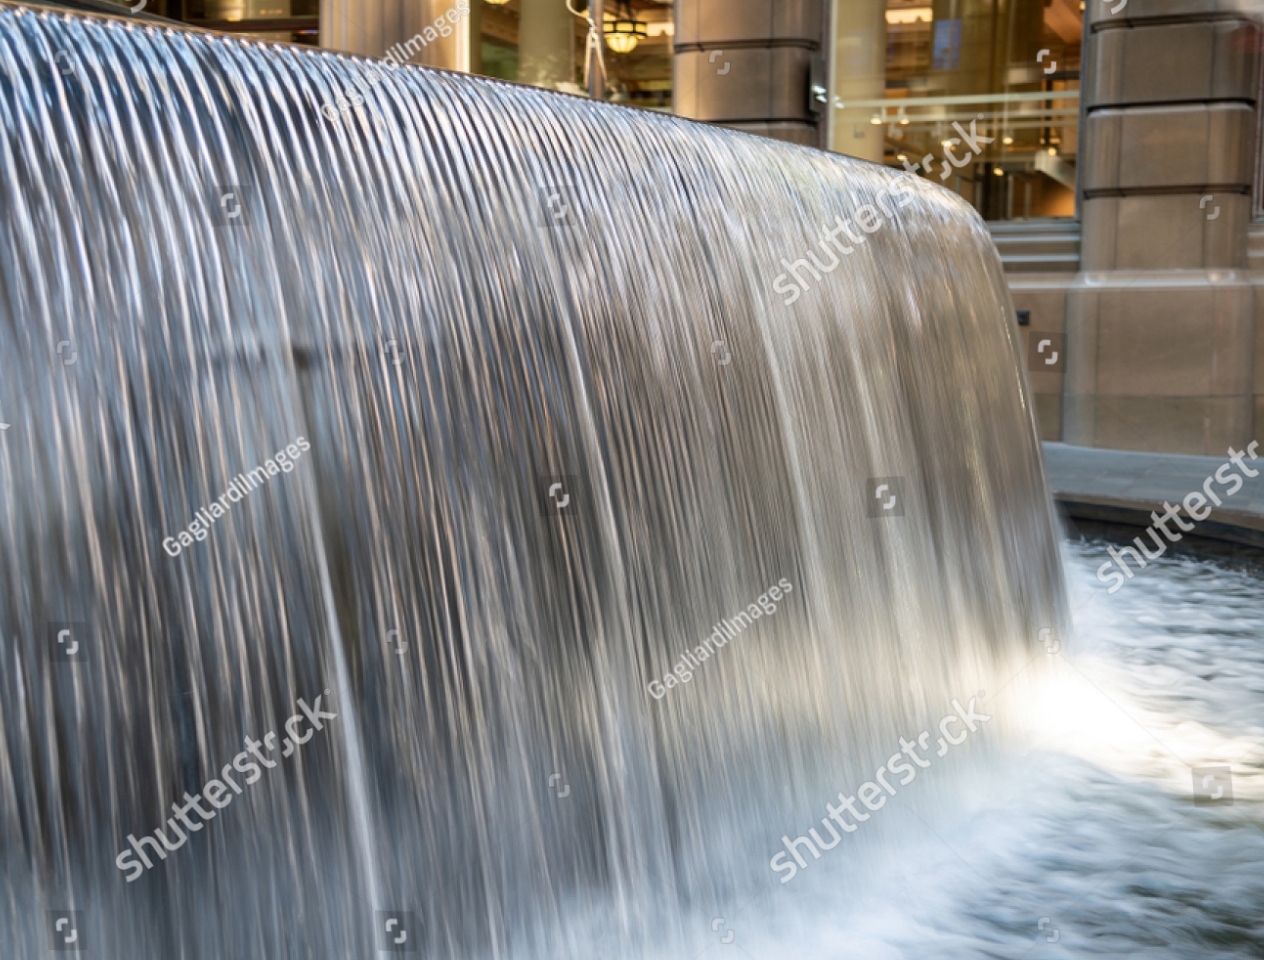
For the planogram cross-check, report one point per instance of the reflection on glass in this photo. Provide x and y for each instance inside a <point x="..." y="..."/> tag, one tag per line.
<point x="983" y="97"/>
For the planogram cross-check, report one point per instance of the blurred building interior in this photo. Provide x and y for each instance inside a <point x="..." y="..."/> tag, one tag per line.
<point x="902" y="70"/>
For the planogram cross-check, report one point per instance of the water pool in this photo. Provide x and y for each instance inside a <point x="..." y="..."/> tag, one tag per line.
<point x="1086" y="840"/>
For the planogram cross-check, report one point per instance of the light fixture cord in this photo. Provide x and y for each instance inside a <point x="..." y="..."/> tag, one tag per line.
<point x="592" y="46"/>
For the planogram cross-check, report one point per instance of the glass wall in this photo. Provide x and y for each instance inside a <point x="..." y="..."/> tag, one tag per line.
<point x="639" y="75"/>
<point x="983" y="97"/>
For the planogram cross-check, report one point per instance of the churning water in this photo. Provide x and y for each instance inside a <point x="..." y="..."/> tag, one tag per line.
<point x="469" y="411"/>
<point x="1085" y="839"/>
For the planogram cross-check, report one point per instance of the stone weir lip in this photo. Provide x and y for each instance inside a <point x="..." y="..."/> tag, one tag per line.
<point x="1104" y="488"/>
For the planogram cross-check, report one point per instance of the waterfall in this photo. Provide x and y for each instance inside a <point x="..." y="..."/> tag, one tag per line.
<point x="480" y="410"/>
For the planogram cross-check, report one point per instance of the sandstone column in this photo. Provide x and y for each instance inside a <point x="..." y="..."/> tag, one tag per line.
<point x="1161" y="318"/>
<point x="747" y="64"/>
<point x="371" y="27"/>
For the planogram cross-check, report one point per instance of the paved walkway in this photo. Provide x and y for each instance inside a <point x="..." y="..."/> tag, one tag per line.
<point x="1122" y="487"/>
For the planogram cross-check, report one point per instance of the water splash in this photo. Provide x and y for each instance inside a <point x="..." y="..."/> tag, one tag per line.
<point x="464" y="293"/>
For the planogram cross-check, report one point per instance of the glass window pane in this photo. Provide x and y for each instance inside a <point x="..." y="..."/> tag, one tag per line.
<point x="982" y="96"/>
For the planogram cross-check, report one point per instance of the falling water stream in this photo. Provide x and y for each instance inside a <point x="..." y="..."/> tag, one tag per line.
<point x="530" y="420"/>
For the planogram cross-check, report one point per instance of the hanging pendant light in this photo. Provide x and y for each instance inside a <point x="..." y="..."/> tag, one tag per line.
<point x="624" y="31"/>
